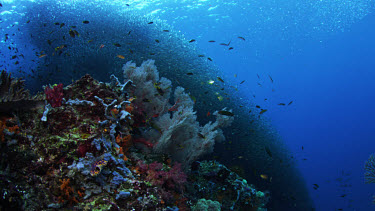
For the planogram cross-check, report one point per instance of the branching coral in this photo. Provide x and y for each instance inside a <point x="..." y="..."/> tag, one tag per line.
<point x="180" y="134"/>
<point x="13" y="96"/>
<point x="151" y="91"/>
<point x="11" y="89"/>
<point x="66" y="192"/>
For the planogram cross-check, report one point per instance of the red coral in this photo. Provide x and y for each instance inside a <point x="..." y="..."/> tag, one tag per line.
<point x="54" y="96"/>
<point x="144" y="142"/>
<point x="172" y="179"/>
<point x="84" y="148"/>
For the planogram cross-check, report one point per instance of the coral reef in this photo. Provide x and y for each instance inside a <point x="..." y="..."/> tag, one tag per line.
<point x="204" y="204"/>
<point x="213" y="181"/>
<point x="115" y="146"/>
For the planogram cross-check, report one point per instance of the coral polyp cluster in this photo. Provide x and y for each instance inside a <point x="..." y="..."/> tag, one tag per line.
<point x="118" y="146"/>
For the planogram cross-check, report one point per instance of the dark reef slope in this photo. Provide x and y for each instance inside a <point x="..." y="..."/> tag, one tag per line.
<point x="132" y="36"/>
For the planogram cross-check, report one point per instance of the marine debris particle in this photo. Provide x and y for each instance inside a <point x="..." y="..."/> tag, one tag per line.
<point x="91" y="151"/>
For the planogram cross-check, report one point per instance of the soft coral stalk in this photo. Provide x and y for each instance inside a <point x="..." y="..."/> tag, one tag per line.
<point x="54" y="96"/>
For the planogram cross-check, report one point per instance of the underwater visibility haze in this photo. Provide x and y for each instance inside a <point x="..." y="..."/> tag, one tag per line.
<point x="187" y="105"/>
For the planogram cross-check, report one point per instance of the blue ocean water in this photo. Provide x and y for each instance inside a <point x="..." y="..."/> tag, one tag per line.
<point x="318" y="56"/>
<point x="329" y="76"/>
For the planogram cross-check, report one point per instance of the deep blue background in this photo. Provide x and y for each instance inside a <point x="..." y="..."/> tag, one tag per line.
<point x="331" y="80"/>
<point x="333" y="119"/>
<point x="332" y="84"/>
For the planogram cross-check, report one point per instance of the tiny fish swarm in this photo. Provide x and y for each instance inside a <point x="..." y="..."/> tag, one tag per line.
<point x="370" y="171"/>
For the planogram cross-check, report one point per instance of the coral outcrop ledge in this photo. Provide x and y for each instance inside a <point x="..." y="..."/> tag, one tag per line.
<point x="116" y="146"/>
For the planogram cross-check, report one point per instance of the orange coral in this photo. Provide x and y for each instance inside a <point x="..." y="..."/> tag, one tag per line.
<point x="114" y="111"/>
<point x="13" y="129"/>
<point x="121" y="151"/>
<point x="3" y="127"/>
<point x="66" y="192"/>
<point x="129" y="108"/>
<point x="123" y="141"/>
<point x="65" y="183"/>
<point x="80" y="194"/>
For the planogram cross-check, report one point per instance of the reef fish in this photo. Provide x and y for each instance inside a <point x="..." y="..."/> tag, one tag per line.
<point x="268" y="151"/>
<point x="315" y="186"/>
<point x="264" y="176"/>
<point x="220" y="79"/>
<point x="270" y="78"/>
<point x="226" y="113"/>
<point x="71" y="33"/>
<point x="262" y="111"/>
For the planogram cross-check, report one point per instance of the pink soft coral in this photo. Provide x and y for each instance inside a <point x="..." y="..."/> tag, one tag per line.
<point x="172" y="179"/>
<point x="54" y="96"/>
